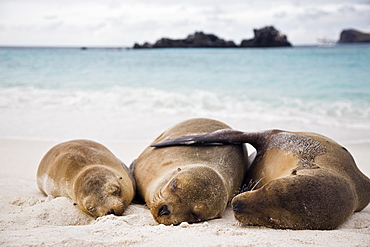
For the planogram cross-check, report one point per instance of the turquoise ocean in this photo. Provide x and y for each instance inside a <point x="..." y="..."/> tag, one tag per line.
<point x="129" y="95"/>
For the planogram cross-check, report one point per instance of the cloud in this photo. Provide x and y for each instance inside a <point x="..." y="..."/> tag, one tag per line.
<point x="50" y="17"/>
<point x="313" y="14"/>
<point x="124" y="22"/>
<point x="53" y="26"/>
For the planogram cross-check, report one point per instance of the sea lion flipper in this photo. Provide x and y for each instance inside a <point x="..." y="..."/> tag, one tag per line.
<point x="184" y="141"/>
<point x="219" y="137"/>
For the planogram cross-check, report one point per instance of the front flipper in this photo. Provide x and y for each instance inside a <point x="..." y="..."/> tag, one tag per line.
<point x="186" y="141"/>
<point x="219" y="137"/>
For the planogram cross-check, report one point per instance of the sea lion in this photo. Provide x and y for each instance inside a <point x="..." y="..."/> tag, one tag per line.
<point x="89" y="174"/>
<point x="299" y="180"/>
<point x="185" y="184"/>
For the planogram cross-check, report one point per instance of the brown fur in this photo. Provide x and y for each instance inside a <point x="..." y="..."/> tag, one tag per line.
<point x="297" y="180"/>
<point x="185" y="184"/>
<point x="316" y="186"/>
<point x="89" y="174"/>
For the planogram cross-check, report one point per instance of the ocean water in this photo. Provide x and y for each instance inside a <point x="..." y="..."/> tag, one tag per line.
<point x="129" y="95"/>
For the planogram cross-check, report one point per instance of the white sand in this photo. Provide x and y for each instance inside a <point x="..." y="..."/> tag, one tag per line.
<point x="28" y="218"/>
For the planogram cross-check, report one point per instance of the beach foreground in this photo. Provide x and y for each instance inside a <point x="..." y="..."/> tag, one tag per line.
<point x="28" y="218"/>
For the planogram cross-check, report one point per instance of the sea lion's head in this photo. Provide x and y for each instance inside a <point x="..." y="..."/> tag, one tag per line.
<point x="99" y="191"/>
<point x="271" y="205"/>
<point x="193" y="194"/>
<point x="309" y="200"/>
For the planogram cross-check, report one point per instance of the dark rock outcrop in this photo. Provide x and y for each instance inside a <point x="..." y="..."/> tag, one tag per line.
<point x="353" y="36"/>
<point x="196" y="40"/>
<point x="145" y="45"/>
<point x="266" y="37"/>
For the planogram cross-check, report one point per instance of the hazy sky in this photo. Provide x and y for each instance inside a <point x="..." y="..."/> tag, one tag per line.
<point x="124" y="22"/>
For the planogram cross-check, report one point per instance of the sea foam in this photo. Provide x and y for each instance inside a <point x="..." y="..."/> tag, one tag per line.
<point x="123" y="106"/>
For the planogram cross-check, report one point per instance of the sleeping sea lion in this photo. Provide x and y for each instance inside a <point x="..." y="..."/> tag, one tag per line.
<point x="186" y="184"/>
<point x="299" y="180"/>
<point x="89" y="174"/>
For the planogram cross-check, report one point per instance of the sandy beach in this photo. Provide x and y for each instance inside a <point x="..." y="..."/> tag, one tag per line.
<point x="70" y="70"/>
<point x="28" y="218"/>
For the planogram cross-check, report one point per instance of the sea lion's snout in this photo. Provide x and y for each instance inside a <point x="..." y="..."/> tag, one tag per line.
<point x="163" y="211"/>
<point x="238" y="207"/>
<point x="111" y="211"/>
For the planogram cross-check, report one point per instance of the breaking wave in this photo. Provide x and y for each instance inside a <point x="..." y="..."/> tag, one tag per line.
<point x="138" y="101"/>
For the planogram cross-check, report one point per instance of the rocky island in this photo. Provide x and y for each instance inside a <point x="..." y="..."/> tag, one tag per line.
<point x="196" y="40"/>
<point x="353" y="36"/>
<point x="264" y="37"/>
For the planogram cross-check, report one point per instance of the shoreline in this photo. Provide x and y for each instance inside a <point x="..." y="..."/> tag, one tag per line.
<point x="129" y="48"/>
<point x="28" y="218"/>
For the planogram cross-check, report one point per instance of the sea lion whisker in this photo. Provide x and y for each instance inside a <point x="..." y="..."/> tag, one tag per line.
<point x="251" y="185"/>
<point x="256" y="183"/>
<point x="155" y="199"/>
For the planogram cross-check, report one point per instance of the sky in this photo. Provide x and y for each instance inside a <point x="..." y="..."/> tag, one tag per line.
<point x="122" y="23"/>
